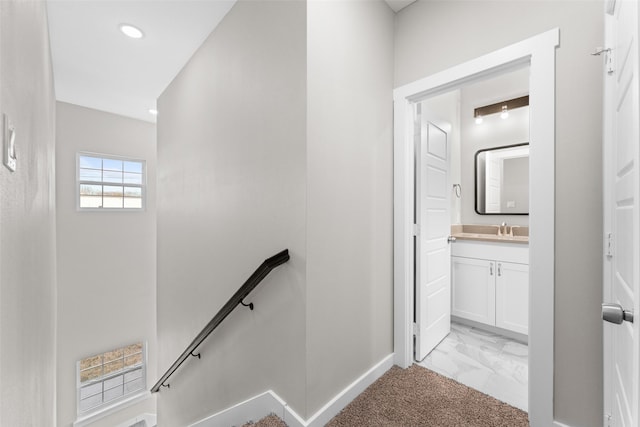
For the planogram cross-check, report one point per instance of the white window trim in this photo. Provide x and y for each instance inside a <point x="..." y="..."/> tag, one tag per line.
<point x="106" y="409"/>
<point x="143" y="208"/>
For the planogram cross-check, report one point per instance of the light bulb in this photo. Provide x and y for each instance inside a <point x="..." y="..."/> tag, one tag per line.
<point x="478" y="120"/>
<point x="505" y="112"/>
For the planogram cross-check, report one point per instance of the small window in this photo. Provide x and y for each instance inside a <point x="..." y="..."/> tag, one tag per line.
<point x="107" y="378"/>
<point x="106" y="182"/>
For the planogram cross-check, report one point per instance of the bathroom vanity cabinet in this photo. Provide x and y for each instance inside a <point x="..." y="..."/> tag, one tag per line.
<point x="490" y="284"/>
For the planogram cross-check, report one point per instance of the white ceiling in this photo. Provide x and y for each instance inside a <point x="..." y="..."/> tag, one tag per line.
<point x="96" y="66"/>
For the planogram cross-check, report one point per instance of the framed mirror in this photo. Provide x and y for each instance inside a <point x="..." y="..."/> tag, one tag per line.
<point x="502" y="180"/>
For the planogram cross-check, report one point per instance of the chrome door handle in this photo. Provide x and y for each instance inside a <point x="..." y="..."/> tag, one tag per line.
<point x="451" y="239"/>
<point x="614" y="313"/>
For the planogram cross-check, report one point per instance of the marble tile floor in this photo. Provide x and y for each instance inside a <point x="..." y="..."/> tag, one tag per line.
<point x="493" y="364"/>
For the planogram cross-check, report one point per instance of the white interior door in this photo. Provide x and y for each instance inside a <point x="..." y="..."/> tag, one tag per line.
<point x="622" y="219"/>
<point x="433" y="281"/>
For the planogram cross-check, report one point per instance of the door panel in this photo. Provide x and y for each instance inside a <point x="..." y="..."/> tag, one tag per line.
<point x="437" y="259"/>
<point x="433" y="282"/>
<point x="437" y="179"/>
<point x="622" y="216"/>
<point x="438" y="220"/>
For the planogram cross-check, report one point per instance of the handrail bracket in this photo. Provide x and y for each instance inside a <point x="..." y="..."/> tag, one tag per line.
<point x="250" y="305"/>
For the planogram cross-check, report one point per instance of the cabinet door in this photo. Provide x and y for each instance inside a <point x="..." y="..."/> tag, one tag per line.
<point x="512" y="296"/>
<point x="473" y="291"/>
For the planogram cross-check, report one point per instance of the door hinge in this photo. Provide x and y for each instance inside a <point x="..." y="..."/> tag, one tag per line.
<point x="608" y="245"/>
<point x="416" y="329"/>
<point x="608" y="57"/>
<point x="608" y="420"/>
<point x="416" y="229"/>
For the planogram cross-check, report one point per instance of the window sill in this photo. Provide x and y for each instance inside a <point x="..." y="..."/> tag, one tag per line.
<point x="105" y="411"/>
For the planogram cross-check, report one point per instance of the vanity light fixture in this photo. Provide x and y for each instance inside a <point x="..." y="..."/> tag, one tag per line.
<point x="131" y="31"/>
<point x="500" y="107"/>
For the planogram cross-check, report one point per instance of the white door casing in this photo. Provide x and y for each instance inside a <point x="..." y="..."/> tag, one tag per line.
<point x="433" y="276"/>
<point x="621" y="281"/>
<point x="539" y="53"/>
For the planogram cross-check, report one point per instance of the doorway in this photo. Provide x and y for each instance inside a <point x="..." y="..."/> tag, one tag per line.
<point x="471" y="312"/>
<point x="539" y="53"/>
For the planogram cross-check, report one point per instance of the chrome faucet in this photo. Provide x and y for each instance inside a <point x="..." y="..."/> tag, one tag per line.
<point x="503" y="228"/>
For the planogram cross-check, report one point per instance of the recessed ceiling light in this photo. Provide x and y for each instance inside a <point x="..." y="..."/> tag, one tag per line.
<point x="153" y="111"/>
<point x="131" y="31"/>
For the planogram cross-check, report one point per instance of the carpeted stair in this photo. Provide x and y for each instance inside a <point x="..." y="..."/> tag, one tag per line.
<point x="268" y="421"/>
<point x="417" y="397"/>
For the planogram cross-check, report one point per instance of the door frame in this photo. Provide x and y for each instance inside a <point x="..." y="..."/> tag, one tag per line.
<point x="608" y="100"/>
<point x="539" y="53"/>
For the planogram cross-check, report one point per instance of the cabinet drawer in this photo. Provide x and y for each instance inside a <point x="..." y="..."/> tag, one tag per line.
<point x="508" y="252"/>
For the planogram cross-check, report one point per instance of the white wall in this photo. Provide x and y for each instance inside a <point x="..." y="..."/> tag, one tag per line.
<point x="472" y="29"/>
<point x="232" y="192"/>
<point x="492" y="132"/>
<point x="106" y="259"/>
<point x="350" y="196"/>
<point x="27" y="220"/>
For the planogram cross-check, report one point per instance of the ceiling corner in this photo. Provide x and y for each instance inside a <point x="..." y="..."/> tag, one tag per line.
<point x="398" y="5"/>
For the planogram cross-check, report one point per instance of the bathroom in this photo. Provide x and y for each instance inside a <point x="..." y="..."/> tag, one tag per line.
<point x="481" y="339"/>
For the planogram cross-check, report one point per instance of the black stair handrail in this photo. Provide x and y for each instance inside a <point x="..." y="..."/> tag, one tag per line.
<point x="253" y="281"/>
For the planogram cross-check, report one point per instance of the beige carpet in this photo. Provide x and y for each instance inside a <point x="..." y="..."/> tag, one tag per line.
<point x="417" y="397"/>
<point x="270" y="421"/>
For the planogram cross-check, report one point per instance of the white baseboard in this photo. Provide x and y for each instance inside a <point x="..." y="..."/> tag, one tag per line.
<point x="353" y="390"/>
<point x="252" y="409"/>
<point x="270" y="403"/>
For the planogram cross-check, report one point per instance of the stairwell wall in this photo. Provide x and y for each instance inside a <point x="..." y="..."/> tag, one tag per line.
<point x="106" y="259"/>
<point x="350" y="193"/>
<point x="27" y="220"/>
<point x="232" y="192"/>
